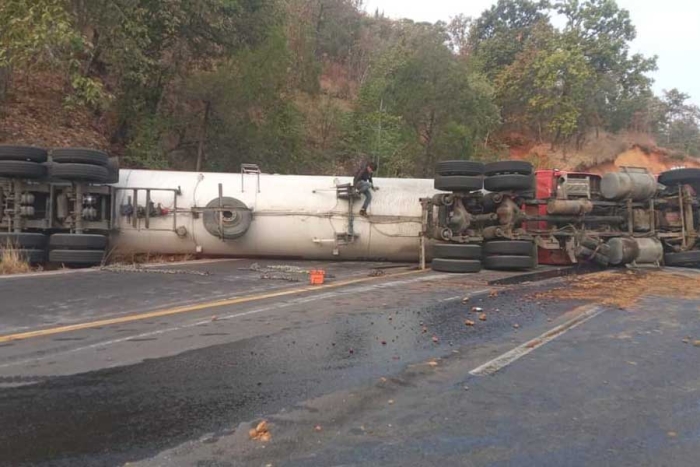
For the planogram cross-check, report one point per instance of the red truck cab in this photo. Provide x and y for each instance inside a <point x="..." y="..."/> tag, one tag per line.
<point x="557" y="184"/>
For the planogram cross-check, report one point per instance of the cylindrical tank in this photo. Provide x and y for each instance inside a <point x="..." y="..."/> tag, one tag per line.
<point x="632" y="183"/>
<point x="622" y="250"/>
<point x="269" y="215"/>
<point x="639" y="250"/>
<point x="571" y="207"/>
<point x="651" y="250"/>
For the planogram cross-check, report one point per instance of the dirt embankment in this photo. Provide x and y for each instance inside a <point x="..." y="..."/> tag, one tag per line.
<point x="601" y="154"/>
<point x="35" y="113"/>
<point x="656" y="160"/>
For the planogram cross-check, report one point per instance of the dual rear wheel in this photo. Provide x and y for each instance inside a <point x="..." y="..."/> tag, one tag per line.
<point x="505" y="255"/>
<point x="67" y="249"/>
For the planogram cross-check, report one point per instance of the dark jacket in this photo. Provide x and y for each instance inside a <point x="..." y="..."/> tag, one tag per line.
<point x="363" y="174"/>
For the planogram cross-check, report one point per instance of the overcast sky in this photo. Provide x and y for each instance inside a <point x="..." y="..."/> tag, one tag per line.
<point x="669" y="29"/>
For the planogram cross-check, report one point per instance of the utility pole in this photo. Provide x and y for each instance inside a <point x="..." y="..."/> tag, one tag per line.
<point x="379" y="132"/>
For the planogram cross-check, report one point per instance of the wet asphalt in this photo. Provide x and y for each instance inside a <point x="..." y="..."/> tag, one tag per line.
<point x="342" y="377"/>
<point x="125" y="413"/>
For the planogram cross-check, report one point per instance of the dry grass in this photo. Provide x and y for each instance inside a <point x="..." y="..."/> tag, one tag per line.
<point x="130" y="257"/>
<point x="624" y="288"/>
<point x="11" y="262"/>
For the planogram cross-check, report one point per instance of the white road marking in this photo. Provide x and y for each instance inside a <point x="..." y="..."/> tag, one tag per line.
<point x="470" y="295"/>
<point x="276" y="306"/>
<point x="507" y="358"/>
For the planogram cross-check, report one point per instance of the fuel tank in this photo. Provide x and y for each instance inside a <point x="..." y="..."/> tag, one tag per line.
<point x="630" y="183"/>
<point x="266" y="216"/>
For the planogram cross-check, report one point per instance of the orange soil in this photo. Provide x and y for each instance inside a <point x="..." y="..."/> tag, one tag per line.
<point x="656" y="161"/>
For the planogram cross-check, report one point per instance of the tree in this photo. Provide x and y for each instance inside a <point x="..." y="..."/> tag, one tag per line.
<point x="41" y="35"/>
<point x="603" y="32"/>
<point x="147" y="46"/>
<point x="680" y="124"/>
<point x="500" y="33"/>
<point x="545" y="88"/>
<point x="449" y="110"/>
<point x="238" y="112"/>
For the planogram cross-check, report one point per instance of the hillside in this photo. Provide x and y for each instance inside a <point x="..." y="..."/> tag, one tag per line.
<point x="605" y="153"/>
<point x="34" y="115"/>
<point x="316" y="86"/>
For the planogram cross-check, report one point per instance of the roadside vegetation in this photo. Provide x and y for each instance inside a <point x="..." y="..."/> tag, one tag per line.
<point x="313" y="86"/>
<point x="12" y="262"/>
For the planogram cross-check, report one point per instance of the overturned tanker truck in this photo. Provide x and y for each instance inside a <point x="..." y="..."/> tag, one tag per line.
<point x="74" y="206"/>
<point x="505" y="215"/>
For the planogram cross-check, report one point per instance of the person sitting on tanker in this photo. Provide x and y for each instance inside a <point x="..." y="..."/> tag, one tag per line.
<point x="365" y="185"/>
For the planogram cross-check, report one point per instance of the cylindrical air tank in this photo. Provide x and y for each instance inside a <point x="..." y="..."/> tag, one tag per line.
<point x="569" y="207"/>
<point x="268" y="215"/>
<point x="651" y="250"/>
<point x="630" y="183"/>
<point x="622" y="250"/>
<point x="639" y="250"/>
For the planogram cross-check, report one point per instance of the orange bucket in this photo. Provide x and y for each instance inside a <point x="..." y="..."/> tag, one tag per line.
<point x="317" y="276"/>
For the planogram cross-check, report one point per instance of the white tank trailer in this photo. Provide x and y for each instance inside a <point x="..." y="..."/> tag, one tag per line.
<point x="309" y="217"/>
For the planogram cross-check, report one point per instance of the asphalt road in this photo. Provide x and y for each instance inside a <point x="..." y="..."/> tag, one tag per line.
<point x="174" y="367"/>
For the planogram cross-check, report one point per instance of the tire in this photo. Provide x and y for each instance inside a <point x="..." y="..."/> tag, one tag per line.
<point x="29" y="241"/>
<point x="509" y="248"/>
<point x="237" y="224"/>
<point x="456" y="265"/>
<point x="80" y="156"/>
<point x="509" y="182"/>
<point x="683" y="259"/>
<point x="672" y="178"/>
<point x="21" y="169"/>
<point x="77" y="242"/>
<point x="508" y="167"/>
<point x="32" y="256"/>
<point x="469" y="168"/>
<point x="456" y="251"/>
<point x="507" y="263"/>
<point x="23" y="153"/>
<point x="77" y="257"/>
<point x="458" y="183"/>
<point x="113" y="170"/>
<point x="80" y="172"/>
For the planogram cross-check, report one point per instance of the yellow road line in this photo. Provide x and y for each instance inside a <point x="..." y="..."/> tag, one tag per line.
<point x="190" y="308"/>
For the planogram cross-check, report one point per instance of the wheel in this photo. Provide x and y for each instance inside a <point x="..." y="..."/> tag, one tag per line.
<point x="22" y="153"/>
<point x="113" y="170"/>
<point x="21" y="169"/>
<point x="458" y="183"/>
<point x="506" y="263"/>
<point x="683" y="259"/>
<point x="509" y="248"/>
<point x="673" y="178"/>
<point x="459" y="168"/>
<point x="456" y="251"/>
<point x="236" y="221"/>
<point x="508" y="167"/>
<point x="23" y="240"/>
<point x="509" y="182"/>
<point x="77" y="257"/>
<point x="455" y="265"/>
<point x="32" y="256"/>
<point x="80" y="156"/>
<point x="80" y="172"/>
<point x="78" y="242"/>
